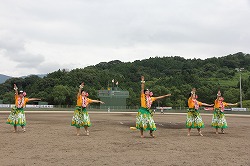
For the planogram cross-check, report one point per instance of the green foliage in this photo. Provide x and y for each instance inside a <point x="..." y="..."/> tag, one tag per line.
<point x="246" y="104"/>
<point x="232" y="95"/>
<point x="60" y="93"/>
<point x="163" y="75"/>
<point x="8" y="97"/>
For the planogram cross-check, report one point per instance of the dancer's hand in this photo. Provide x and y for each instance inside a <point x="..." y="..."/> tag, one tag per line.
<point x="82" y="85"/>
<point x="15" y="87"/>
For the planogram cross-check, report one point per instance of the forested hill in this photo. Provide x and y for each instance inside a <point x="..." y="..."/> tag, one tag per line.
<point x="175" y="75"/>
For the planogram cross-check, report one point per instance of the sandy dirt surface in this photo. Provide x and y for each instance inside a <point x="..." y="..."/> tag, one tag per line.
<point x="50" y="140"/>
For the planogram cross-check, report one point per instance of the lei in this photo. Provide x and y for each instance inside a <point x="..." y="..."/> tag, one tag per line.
<point x="20" y="102"/>
<point x="84" y="102"/>
<point x="196" y="104"/>
<point x="222" y="106"/>
<point x="148" y="101"/>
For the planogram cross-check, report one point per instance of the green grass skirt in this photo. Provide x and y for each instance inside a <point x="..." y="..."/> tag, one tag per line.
<point x="194" y="119"/>
<point x="144" y="120"/>
<point x="219" y="120"/>
<point x="17" y="117"/>
<point x="80" y="118"/>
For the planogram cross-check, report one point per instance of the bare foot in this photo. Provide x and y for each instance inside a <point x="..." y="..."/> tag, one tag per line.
<point x="188" y="134"/>
<point x="87" y="133"/>
<point x="24" y="130"/>
<point x="77" y="134"/>
<point x="216" y="132"/>
<point x="200" y="134"/>
<point x="142" y="136"/>
<point x="152" y="135"/>
<point x="14" y="131"/>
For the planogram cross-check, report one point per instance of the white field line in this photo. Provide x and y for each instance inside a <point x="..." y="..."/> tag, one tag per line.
<point x="96" y="112"/>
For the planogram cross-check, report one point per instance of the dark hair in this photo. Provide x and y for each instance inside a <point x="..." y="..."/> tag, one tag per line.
<point x="190" y="94"/>
<point x="145" y="90"/>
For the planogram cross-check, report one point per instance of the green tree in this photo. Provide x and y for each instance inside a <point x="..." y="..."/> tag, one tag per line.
<point x="231" y="95"/>
<point x="9" y="98"/>
<point x="60" y="93"/>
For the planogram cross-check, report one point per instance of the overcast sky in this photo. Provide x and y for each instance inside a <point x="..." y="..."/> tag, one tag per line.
<point x="42" y="36"/>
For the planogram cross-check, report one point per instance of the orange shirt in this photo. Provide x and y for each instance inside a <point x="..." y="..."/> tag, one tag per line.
<point x="79" y="101"/>
<point x="143" y="100"/>
<point x="25" y="100"/>
<point x="191" y="103"/>
<point x="217" y="104"/>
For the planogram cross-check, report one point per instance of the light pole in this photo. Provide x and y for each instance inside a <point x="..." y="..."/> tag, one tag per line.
<point x="239" y="70"/>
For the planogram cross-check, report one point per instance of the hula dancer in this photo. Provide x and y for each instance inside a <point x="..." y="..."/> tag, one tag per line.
<point x="194" y="119"/>
<point x="81" y="116"/>
<point x="219" y="120"/>
<point x="144" y="119"/>
<point x="17" y="116"/>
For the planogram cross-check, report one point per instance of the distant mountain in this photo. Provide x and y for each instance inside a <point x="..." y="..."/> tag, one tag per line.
<point x="3" y="78"/>
<point x="39" y="75"/>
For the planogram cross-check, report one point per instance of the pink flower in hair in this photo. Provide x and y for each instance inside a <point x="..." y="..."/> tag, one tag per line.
<point x="24" y="93"/>
<point x="221" y="99"/>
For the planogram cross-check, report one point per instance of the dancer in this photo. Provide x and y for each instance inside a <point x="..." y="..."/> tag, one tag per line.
<point x="219" y="120"/>
<point x="17" y="116"/>
<point x="144" y="119"/>
<point x="81" y="116"/>
<point x="194" y="119"/>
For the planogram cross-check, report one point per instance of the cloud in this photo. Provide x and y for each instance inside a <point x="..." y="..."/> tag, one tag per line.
<point x="48" y="67"/>
<point x="13" y="47"/>
<point x="44" y="36"/>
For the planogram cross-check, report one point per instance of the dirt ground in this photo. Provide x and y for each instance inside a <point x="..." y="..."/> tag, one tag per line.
<point x="50" y="140"/>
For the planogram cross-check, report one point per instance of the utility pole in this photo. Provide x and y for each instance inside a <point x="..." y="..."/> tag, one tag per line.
<point x="239" y="70"/>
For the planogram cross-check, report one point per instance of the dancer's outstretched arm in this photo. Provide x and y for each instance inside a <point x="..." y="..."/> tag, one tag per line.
<point x="208" y="105"/>
<point x="97" y="101"/>
<point x="34" y="99"/>
<point x="15" y="88"/>
<point x="230" y="104"/>
<point x="160" y="97"/>
<point x="142" y="84"/>
<point x="80" y="89"/>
